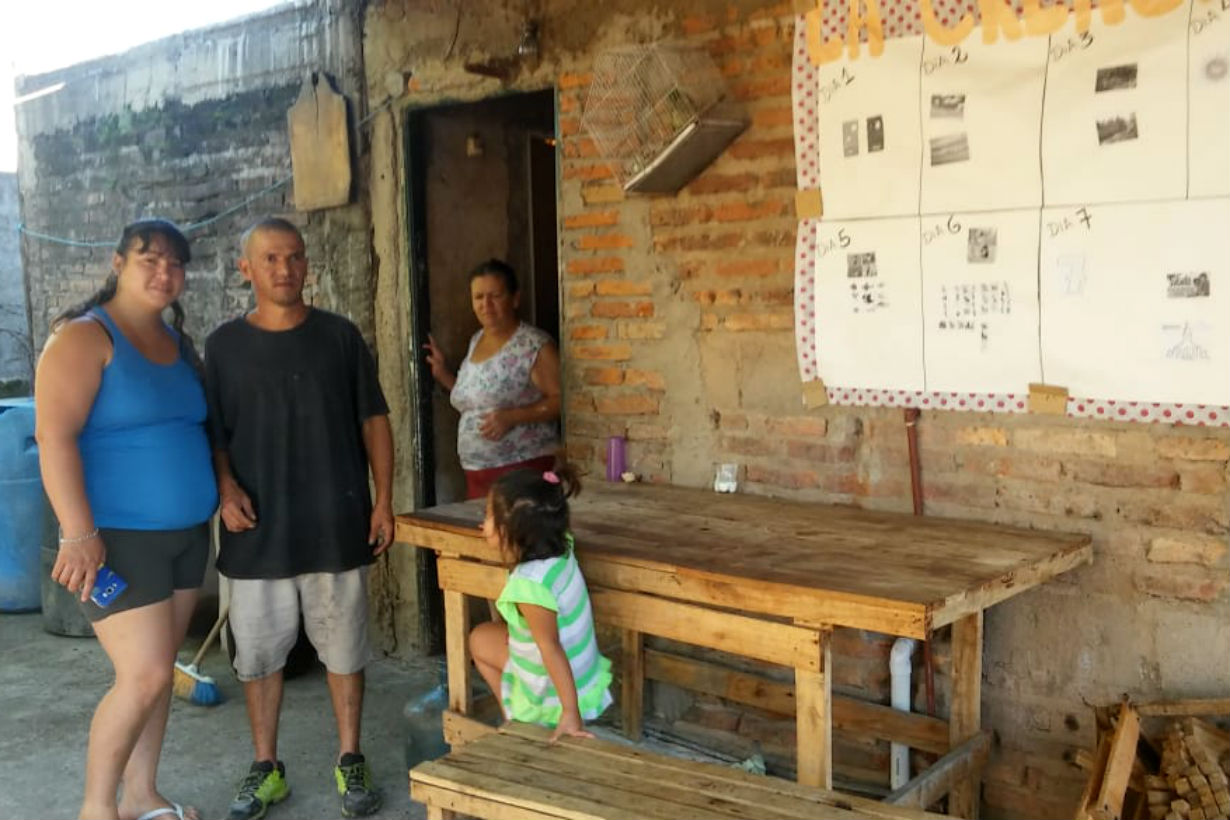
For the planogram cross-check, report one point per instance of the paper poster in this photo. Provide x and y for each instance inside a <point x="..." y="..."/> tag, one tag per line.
<point x="868" y="132"/>
<point x="980" y="301"/>
<point x="1209" y="102"/>
<point x="975" y="97"/>
<point x="1114" y="123"/>
<point x="868" y="303"/>
<point x="1135" y="299"/>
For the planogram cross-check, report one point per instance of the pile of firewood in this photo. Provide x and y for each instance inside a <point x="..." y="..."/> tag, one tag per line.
<point x="1180" y="773"/>
<point x="1192" y="785"/>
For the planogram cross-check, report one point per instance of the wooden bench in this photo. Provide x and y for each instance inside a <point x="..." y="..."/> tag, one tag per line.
<point x="514" y="774"/>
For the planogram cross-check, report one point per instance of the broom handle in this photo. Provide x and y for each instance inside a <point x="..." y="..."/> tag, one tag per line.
<point x="213" y="633"/>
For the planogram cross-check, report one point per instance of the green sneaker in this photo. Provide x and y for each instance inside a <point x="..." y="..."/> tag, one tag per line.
<point x="354" y="784"/>
<point x="264" y="785"/>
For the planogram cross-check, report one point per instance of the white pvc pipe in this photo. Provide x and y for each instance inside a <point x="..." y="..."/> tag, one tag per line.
<point x="899" y="663"/>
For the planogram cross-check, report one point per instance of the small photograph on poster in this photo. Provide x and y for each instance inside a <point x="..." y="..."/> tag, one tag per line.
<point x="1117" y="129"/>
<point x="1115" y="78"/>
<point x="973" y="99"/>
<point x="1187" y="285"/>
<point x="982" y="242"/>
<point x="980" y="300"/>
<point x="1187" y="342"/>
<point x="949" y="149"/>
<point x="849" y="138"/>
<point x="875" y="134"/>
<point x="867" y="300"/>
<point x="948" y="106"/>
<point x="861" y="265"/>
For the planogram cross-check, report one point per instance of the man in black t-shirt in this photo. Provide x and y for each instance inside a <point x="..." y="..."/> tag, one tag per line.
<point x="297" y="418"/>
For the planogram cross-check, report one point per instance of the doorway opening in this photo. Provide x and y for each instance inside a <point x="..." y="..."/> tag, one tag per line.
<point x="481" y="184"/>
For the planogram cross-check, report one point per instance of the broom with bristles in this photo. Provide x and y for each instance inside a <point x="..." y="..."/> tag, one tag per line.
<point x="189" y="684"/>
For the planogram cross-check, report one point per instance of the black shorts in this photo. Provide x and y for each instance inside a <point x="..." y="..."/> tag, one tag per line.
<point x="155" y="563"/>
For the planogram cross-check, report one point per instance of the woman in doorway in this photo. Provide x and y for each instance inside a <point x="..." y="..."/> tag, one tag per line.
<point x="507" y="388"/>
<point x="120" y="423"/>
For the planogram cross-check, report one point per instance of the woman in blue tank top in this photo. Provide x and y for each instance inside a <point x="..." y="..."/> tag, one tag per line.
<point x="120" y="423"/>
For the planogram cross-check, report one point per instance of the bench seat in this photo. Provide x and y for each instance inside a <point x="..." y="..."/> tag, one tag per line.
<point x="514" y="774"/>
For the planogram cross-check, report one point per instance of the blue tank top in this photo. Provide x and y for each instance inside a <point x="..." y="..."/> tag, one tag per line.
<point x="145" y="454"/>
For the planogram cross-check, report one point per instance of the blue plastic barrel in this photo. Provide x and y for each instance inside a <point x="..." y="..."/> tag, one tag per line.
<point x="22" y="508"/>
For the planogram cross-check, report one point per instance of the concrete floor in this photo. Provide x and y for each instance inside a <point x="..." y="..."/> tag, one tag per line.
<point x="49" y="686"/>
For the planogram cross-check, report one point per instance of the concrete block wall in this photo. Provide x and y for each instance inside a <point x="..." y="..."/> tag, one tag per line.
<point x="677" y="332"/>
<point x="186" y="128"/>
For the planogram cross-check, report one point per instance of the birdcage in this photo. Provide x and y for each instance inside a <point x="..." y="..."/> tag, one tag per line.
<point x="659" y="114"/>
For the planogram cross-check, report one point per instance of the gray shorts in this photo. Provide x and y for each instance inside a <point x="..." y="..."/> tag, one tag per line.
<point x="155" y="563"/>
<point x="265" y="621"/>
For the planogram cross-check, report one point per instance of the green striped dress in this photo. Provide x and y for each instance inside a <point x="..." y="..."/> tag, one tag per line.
<point x="526" y="688"/>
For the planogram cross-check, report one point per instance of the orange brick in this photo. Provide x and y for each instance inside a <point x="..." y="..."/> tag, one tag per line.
<point x="757" y="149"/>
<point x="697" y="242"/>
<point x="646" y="378"/>
<point x="580" y="147"/>
<point x="603" y="375"/>
<point x="592" y="219"/>
<point x="595" y="265"/>
<point x="669" y="216"/>
<point x="697" y="24"/>
<point x="567" y="81"/>
<point x="583" y="171"/>
<point x="760" y="88"/>
<point x="613" y="352"/>
<point x="744" y="212"/>
<point x="623" y="288"/>
<point x="796" y="479"/>
<point x="780" y="178"/>
<point x="622" y="310"/>
<point x="603" y="241"/>
<point x="815" y="452"/>
<point x="580" y="291"/>
<point x="759" y="321"/>
<point x="748" y="267"/>
<point x="722" y="183"/>
<point x="629" y="405"/>
<point x="601" y="194"/>
<point x="569" y="103"/>
<point x="748" y="445"/>
<point x="775" y="117"/>
<point x="642" y="330"/>
<point x="587" y="332"/>
<point x="568" y="126"/>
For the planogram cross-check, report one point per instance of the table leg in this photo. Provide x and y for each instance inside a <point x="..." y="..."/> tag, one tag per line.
<point x="965" y="718"/>
<point x="813" y="693"/>
<point x="633" y="674"/>
<point x="457" y="651"/>
<point x="440" y="813"/>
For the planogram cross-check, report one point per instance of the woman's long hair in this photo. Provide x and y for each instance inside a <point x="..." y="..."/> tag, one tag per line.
<point x="142" y="231"/>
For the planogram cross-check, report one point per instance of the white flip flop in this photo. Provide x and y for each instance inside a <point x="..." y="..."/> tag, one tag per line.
<point x="173" y="810"/>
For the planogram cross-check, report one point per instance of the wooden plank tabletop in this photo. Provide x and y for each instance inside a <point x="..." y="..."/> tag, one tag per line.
<point x="574" y="778"/>
<point x="935" y="569"/>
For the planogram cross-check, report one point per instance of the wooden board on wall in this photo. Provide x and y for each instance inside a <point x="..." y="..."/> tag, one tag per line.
<point x="319" y="146"/>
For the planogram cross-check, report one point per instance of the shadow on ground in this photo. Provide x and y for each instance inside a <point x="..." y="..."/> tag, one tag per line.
<point x="49" y="686"/>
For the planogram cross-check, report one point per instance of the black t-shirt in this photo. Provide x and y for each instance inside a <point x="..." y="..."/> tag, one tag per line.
<point x="288" y="407"/>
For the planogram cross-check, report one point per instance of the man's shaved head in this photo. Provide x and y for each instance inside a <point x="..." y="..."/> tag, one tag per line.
<point x="270" y="223"/>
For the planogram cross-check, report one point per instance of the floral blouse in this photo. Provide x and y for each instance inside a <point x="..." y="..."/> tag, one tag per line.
<point x="500" y="382"/>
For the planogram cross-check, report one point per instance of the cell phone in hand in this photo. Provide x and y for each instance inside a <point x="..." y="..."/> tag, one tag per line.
<point x="107" y="587"/>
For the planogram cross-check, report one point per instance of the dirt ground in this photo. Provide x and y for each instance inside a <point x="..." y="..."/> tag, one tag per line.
<point x="49" y="686"/>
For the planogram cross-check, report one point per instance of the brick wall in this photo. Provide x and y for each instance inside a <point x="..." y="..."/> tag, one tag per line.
<point x="677" y="332"/>
<point x="15" y="358"/>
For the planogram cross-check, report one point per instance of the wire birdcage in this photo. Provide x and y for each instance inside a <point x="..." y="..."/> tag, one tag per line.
<point x="648" y="102"/>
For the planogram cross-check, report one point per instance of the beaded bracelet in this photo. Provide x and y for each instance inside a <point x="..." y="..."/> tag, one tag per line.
<point x="80" y="539"/>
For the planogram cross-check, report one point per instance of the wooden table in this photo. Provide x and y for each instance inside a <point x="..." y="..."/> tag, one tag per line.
<point x="768" y="579"/>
